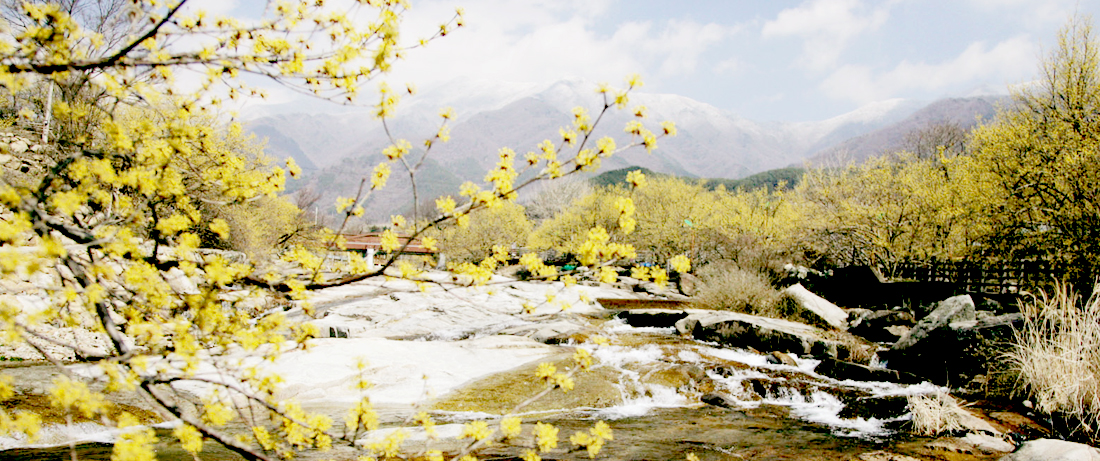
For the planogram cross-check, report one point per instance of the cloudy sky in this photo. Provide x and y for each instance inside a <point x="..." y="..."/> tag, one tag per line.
<point x="763" y="60"/>
<point x="773" y="60"/>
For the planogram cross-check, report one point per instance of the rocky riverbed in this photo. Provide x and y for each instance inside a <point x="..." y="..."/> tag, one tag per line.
<point x="669" y="380"/>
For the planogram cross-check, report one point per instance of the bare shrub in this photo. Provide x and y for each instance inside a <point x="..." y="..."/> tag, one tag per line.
<point x="936" y="414"/>
<point x="726" y="286"/>
<point x="1057" y="355"/>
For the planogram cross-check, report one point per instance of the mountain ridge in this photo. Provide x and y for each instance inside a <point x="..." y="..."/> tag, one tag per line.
<point x="711" y="143"/>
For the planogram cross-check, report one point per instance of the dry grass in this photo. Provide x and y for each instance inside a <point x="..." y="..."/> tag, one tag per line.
<point x="725" y="286"/>
<point x="1057" y="355"/>
<point x="936" y="414"/>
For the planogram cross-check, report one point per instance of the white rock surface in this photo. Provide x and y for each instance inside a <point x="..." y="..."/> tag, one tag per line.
<point x="1053" y="450"/>
<point x="988" y="443"/>
<point x="395" y="309"/>
<point x="402" y="372"/>
<point x="822" y="308"/>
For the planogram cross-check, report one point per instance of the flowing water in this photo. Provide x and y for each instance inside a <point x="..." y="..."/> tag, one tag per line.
<point x="650" y="385"/>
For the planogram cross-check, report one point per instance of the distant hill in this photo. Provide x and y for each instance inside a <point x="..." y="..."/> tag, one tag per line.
<point x="711" y="143"/>
<point x="964" y="112"/>
<point x="770" y="179"/>
<point x="280" y="146"/>
<point x="618" y="177"/>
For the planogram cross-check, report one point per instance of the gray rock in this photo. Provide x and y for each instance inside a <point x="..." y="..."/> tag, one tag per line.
<point x="719" y="400"/>
<point x="818" y="307"/>
<point x="180" y="282"/>
<point x="841" y="371"/>
<point x="763" y="333"/>
<point x="951" y="346"/>
<point x="856" y="315"/>
<point x="1053" y="450"/>
<point x="780" y="358"/>
<point x="881" y="325"/>
<point x="880" y="407"/>
<point x="954" y="309"/>
<point x="558" y="332"/>
<point x="988" y="443"/>
<point x="337" y="332"/>
<point x="652" y="319"/>
<point x="18" y="146"/>
<point x="896" y="331"/>
<point x="688" y="285"/>
<point x="686" y="326"/>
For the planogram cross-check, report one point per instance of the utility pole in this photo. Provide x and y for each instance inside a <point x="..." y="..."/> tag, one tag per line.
<point x="49" y="113"/>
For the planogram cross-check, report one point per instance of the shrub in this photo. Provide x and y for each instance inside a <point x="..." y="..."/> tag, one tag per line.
<point x="726" y="286"/>
<point x="1057" y="355"/>
<point x="936" y="414"/>
<point x="506" y="226"/>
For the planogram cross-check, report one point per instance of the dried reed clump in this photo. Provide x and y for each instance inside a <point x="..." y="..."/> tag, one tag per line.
<point x="936" y="414"/>
<point x="1057" y="355"/>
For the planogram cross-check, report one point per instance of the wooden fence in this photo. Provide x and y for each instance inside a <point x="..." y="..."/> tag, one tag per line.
<point x="1008" y="277"/>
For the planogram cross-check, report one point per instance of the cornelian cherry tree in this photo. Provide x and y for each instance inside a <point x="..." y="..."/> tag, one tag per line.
<point x="106" y="228"/>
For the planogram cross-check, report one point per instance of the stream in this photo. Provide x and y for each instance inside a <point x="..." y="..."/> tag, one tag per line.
<point x="663" y="394"/>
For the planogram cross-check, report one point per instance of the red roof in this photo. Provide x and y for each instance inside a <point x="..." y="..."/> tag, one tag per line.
<point x="373" y="241"/>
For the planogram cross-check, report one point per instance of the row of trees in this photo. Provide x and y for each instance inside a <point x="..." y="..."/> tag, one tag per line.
<point x="1023" y="186"/>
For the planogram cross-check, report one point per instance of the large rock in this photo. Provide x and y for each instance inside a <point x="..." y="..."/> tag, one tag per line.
<point x="951" y="346"/>
<point x="882" y="325"/>
<point x="652" y="319"/>
<point x="841" y="371"/>
<point x="751" y="331"/>
<point x="1053" y="450"/>
<point x="821" y="310"/>
<point x="180" y="282"/>
<point x="954" y="309"/>
<point x="688" y="284"/>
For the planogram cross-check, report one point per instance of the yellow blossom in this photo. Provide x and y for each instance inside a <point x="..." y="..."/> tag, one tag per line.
<point x="445" y="205"/>
<point x="477" y="430"/>
<point x="380" y="175"/>
<point x="546" y="436"/>
<point x="397" y="150"/>
<point x="669" y="128"/>
<point x="680" y="263"/>
<point x="510" y="426"/>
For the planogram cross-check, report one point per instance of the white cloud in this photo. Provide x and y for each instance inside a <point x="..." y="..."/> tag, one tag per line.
<point x="549" y="40"/>
<point x="1008" y="61"/>
<point x="826" y="26"/>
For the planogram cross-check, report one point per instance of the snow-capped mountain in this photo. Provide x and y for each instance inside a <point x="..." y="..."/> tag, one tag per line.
<point x="343" y="143"/>
<point x="491" y="115"/>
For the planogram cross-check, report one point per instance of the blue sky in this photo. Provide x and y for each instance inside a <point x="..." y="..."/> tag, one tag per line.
<point x="763" y="60"/>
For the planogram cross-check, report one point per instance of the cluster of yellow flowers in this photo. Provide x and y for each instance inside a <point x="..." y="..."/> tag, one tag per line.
<point x="130" y="199"/>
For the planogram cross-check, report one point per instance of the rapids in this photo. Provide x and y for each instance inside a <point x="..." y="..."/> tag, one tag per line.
<point x="470" y="353"/>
